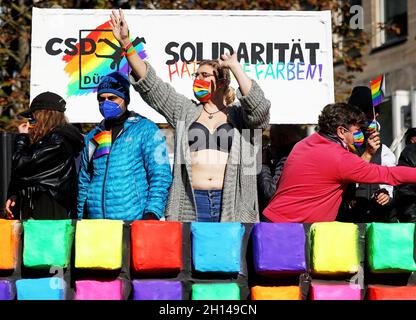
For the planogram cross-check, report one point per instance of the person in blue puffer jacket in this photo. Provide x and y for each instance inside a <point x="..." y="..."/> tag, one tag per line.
<point x="124" y="171"/>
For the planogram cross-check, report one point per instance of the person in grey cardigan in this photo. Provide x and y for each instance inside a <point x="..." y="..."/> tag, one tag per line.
<point x="217" y="141"/>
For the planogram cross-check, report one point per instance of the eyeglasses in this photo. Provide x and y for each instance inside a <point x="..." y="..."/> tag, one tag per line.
<point x="351" y="131"/>
<point x="203" y="74"/>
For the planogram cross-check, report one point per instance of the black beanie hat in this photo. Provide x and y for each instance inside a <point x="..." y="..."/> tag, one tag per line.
<point x="45" y="101"/>
<point x="361" y="97"/>
<point x="116" y="83"/>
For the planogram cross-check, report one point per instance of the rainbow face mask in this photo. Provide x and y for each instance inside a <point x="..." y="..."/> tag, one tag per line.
<point x="358" y="139"/>
<point x="202" y="90"/>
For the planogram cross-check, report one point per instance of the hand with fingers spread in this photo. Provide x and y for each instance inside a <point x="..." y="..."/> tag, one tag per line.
<point x="119" y="26"/>
<point x="121" y="32"/>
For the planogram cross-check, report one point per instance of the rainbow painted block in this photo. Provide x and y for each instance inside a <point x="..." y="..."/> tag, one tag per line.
<point x="279" y="248"/>
<point x="390" y="247"/>
<point x="98" y="244"/>
<point x="391" y="293"/>
<point x="9" y="243"/>
<point x="47" y="243"/>
<point x="41" y="289"/>
<point x="276" y="293"/>
<point x="215" y="291"/>
<point x="216" y="247"/>
<point x="7" y="291"/>
<point x="152" y="253"/>
<point x="334" y="248"/>
<point x="157" y="290"/>
<point x="98" y="290"/>
<point x="335" y="291"/>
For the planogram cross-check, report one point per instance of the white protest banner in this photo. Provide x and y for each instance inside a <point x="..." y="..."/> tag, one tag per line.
<point x="289" y="53"/>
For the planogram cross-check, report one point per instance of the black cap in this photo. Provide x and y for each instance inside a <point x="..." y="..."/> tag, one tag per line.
<point x="361" y="97"/>
<point x="45" y="100"/>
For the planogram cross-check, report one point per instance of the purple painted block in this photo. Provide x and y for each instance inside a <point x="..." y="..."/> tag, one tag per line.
<point x="279" y="248"/>
<point x="157" y="290"/>
<point x="6" y="290"/>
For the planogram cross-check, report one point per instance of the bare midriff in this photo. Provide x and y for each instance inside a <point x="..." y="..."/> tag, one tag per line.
<point x="208" y="169"/>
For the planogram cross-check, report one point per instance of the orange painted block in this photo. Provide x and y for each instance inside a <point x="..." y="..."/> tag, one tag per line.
<point x="275" y="293"/>
<point x="391" y="293"/>
<point x="9" y="243"/>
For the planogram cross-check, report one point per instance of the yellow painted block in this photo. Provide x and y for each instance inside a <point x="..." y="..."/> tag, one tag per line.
<point x="334" y="248"/>
<point x="98" y="244"/>
<point x="276" y="293"/>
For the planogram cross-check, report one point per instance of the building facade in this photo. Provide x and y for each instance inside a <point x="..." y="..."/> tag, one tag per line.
<point x="391" y="28"/>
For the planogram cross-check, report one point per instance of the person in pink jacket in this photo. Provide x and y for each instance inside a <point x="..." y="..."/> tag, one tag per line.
<point x="320" y="167"/>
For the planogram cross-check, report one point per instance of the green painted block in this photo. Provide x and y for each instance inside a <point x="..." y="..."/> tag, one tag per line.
<point x="390" y="247"/>
<point x="216" y="291"/>
<point x="47" y="243"/>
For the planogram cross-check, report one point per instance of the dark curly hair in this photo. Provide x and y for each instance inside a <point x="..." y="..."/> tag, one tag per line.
<point x="339" y="114"/>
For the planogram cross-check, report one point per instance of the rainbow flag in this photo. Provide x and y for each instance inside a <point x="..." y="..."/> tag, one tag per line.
<point x="103" y="142"/>
<point x="372" y="127"/>
<point x="377" y="90"/>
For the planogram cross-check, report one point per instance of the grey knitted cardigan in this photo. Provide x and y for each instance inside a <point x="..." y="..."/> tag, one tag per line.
<point x="239" y="201"/>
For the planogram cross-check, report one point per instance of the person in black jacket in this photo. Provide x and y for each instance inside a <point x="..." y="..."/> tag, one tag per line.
<point x="44" y="179"/>
<point x="282" y="140"/>
<point x="406" y="194"/>
<point x="363" y="202"/>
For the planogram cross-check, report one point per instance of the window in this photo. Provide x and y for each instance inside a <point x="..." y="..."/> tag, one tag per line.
<point x="391" y="21"/>
<point x="344" y="36"/>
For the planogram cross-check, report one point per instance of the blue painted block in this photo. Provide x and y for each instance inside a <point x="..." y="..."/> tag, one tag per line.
<point x="41" y="289"/>
<point x="216" y="247"/>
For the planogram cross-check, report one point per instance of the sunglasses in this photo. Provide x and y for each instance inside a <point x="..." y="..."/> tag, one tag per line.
<point x="32" y="122"/>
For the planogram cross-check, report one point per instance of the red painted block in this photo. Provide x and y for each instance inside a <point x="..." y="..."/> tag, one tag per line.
<point x="156" y="246"/>
<point x="391" y="293"/>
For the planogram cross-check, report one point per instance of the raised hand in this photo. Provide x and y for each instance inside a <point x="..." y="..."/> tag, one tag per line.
<point x="373" y="143"/>
<point x="228" y="61"/>
<point x="23" y="128"/>
<point x="120" y="28"/>
<point x="231" y="62"/>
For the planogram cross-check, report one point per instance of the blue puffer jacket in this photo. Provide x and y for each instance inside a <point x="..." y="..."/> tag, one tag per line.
<point x="133" y="179"/>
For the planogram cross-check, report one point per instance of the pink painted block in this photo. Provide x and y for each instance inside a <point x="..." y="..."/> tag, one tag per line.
<point x="336" y="291"/>
<point x="98" y="290"/>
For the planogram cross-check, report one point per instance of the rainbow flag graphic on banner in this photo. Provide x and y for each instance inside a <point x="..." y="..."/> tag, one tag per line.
<point x="85" y="70"/>
<point x="103" y="142"/>
<point x="378" y="90"/>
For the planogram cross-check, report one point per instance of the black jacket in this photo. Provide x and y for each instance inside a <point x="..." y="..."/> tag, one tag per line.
<point x="269" y="176"/>
<point x="358" y="203"/>
<point x="406" y="193"/>
<point x="46" y="169"/>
